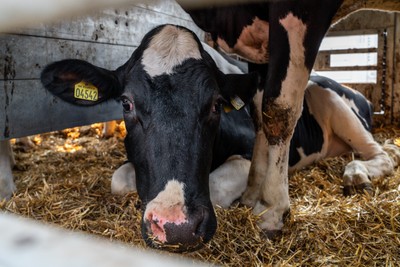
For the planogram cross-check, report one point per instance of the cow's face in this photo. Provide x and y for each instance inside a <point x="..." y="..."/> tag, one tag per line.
<point x="171" y="93"/>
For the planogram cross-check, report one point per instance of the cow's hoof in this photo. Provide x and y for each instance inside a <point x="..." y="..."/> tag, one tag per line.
<point x="272" y="234"/>
<point x="349" y="190"/>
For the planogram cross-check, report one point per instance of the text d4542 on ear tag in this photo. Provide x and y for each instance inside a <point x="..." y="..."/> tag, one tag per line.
<point x="237" y="102"/>
<point x="86" y="91"/>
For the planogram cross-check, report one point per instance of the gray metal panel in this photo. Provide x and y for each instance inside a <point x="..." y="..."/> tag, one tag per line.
<point x="27" y="108"/>
<point x="106" y="39"/>
<point x="24" y="57"/>
<point x="116" y="26"/>
<point x="28" y="112"/>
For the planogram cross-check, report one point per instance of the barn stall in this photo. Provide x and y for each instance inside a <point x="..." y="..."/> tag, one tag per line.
<point x="65" y="179"/>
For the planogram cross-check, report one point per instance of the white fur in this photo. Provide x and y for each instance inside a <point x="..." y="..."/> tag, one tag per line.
<point x="258" y="170"/>
<point x="228" y="181"/>
<point x="124" y="180"/>
<point x="167" y="49"/>
<point x="297" y="74"/>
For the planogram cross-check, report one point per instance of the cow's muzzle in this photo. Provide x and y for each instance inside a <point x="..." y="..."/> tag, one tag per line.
<point x="173" y="230"/>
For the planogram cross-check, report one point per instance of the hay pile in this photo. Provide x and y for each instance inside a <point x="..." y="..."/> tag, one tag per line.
<point x="72" y="190"/>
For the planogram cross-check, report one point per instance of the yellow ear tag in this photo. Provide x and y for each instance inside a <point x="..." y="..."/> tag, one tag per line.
<point x="237" y="103"/>
<point x="86" y="91"/>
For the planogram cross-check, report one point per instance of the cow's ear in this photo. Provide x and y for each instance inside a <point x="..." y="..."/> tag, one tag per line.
<point x="81" y="83"/>
<point x="238" y="89"/>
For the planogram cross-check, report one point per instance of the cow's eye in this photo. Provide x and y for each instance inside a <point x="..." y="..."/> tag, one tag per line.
<point x="216" y="109"/>
<point x="127" y="105"/>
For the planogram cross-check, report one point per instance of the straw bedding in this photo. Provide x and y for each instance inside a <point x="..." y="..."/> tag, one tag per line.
<point x="65" y="180"/>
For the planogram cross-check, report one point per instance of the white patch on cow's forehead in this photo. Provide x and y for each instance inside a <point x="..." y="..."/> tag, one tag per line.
<point x="167" y="49"/>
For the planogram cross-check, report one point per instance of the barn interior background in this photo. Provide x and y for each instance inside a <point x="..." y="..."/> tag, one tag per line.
<point x="65" y="179"/>
<point x="363" y="51"/>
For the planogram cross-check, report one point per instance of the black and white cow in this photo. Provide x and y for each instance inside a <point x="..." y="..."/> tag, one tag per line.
<point x="232" y="150"/>
<point x="171" y="93"/>
<point x="335" y="120"/>
<point x="332" y="115"/>
<point x="286" y="35"/>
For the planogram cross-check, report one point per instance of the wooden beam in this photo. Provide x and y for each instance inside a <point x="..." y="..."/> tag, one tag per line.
<point x="396" y="73"/>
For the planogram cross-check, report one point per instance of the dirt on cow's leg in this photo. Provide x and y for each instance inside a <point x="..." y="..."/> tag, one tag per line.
<point x="273" y="204"/>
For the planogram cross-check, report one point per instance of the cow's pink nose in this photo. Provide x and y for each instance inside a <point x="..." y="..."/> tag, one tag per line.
<point x="175" y="228"/>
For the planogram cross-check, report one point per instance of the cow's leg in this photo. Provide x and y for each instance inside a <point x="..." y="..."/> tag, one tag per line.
<point x="7" y="186"/>
<point x="378" y="162"/>
<point x="393" y="152"/>
<point x="124" y="179"/>
<point x="228" y="181"/>
<point x="258" y="168"/>
<point x="280" y="115"/>
<point x="343" y="130"/>
<point x="295" y="36"/>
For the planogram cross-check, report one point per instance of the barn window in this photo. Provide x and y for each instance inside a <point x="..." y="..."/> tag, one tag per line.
<point x="358" y="41"/>
<point x="350" y="59"/>
<point x="352" y="76"/>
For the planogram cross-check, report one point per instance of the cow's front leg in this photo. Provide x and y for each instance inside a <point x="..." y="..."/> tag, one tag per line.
<point x="296" y="30"/>
<point x="258" y="168"/>
<point x="279" y="117"/>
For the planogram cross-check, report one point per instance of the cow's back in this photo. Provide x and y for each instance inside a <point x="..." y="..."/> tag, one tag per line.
<point x="354" y="99"/>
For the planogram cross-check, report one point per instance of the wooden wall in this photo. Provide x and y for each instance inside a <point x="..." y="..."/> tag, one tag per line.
<point x="385" y="94"/>
<point x="106" y="39"/>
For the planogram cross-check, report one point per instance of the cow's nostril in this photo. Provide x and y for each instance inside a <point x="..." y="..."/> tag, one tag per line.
<point x="201" y="222"/>
<point x="178" y="235"/>
<point x="158" y="231"/>
<point x="156" y="226"/>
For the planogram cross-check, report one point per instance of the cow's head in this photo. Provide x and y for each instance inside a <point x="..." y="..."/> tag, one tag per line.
<point x="171" y="94"/>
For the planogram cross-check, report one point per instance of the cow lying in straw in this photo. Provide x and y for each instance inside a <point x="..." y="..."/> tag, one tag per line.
<point x="173" y="96"/>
